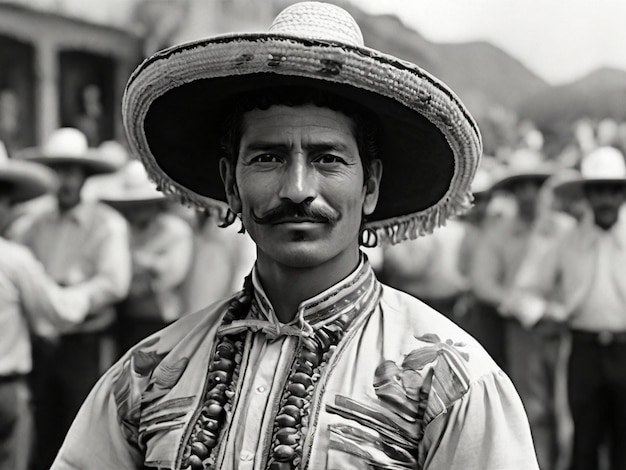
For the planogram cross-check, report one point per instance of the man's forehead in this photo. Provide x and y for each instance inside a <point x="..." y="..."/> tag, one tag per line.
<point x="280" y="120"/>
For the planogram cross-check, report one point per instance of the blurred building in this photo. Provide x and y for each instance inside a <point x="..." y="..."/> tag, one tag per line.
<point x="66" y="62"/>
<point x="57" y="70"/>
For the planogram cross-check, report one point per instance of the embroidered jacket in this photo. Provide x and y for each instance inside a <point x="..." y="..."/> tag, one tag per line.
<point x="364" y="377"/>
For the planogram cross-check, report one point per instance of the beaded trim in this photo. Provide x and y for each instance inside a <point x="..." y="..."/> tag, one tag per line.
<point x="292" y="419"/>
<point x="223" y="376"/>
<point x="291" y="423"/>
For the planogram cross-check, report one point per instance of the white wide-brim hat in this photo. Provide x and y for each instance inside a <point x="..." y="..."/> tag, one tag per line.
<point x="524" y="164"/>
<point x="430" y="145"/>
<point x="132" y="188"/>
<point x="26" y="180"/>
<point x="604" y="165"/>
<point x="69" y="146"/>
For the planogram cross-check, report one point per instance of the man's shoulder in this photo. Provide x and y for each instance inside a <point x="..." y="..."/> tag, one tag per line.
<point x="436" y="349"/>
<point x="175" y="345"/>
<point x="416" y="320"/>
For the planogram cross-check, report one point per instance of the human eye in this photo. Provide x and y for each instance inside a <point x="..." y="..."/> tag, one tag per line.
<point x="330" y="159"/>
<point x="265" y="158"/>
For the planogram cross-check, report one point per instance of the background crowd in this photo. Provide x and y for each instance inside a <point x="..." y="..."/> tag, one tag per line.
<point x="140" y="258"/>
<point x="94" y="258"/>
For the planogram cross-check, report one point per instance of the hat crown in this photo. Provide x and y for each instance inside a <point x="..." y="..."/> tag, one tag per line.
<point x="134" y="176"/>
<point x="114" y="152"/>
<point x="135" y="183"/>
<point x="320" y="21"/>
<point x="604" y="163"/>
<point x="66" y="142"/>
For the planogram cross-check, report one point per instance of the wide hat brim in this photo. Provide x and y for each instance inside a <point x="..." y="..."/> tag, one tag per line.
<point x="92" y="164"/>
<point x="575" y="189"/>
<point x="133" y="203"/>
<point x="27" y="180"/>
<point x="430" y="144"/>
<point x="507" y="182"/>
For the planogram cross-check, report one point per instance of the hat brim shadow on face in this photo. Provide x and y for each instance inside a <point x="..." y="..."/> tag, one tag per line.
<point x="183" y="125"/>
<point x="430" y="145"/>
<point x="128" y="205"/>
<point x="575" y="189"/>
<point x="507" y="183"/>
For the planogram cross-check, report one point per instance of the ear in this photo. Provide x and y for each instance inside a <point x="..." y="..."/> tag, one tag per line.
<point x="372" y="186"/>
<point x="227" y="172"/>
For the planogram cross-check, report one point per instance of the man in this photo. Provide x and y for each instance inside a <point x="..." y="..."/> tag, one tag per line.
<point x="75" y="241"/>
<point x="161" y="248"/>
<point x="531" y="353"/>
<point x="480" y="319"/>
<point x="314" y="364"/>
<point x="428" y="268"/>
<point x="221" y="259"/>
<point x="583" y="283"/>
<point x="29" y="301"/>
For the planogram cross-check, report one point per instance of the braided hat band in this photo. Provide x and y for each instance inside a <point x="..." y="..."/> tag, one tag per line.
<point x="430" y="146"/>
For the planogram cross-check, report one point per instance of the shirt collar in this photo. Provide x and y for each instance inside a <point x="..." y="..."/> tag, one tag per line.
<point x="345" y="297"/>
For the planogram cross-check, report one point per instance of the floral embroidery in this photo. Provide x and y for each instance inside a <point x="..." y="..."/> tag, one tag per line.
<point x="439" y="370"/>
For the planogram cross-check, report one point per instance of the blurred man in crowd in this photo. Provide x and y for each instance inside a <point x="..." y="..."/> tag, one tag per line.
<point x="29" y="301"/>
<point x="428" y="267"/>
<point x="495" y="267"/>
<point x="222" y="258"/>
<point x="161" y="248"/>
<point x="583" y="283"/>
<point x="76" y="241"/>
<point x="481" y="319"/>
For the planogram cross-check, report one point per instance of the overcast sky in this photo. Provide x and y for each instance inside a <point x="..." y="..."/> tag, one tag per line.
<point x="560" y="40"/>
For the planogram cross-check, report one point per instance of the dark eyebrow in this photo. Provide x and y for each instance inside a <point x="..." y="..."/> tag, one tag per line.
<point x="260" y="145"/>
<point x="315" y="147"/>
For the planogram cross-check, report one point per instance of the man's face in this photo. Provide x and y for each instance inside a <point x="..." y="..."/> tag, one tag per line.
<point x="526" y="192"/>
<point x="605" y="201"/>
<point x="72" y="178"/>
<point x="299" y="185"/>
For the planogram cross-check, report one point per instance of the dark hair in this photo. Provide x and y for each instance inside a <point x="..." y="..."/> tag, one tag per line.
<point x="365" y="122"/>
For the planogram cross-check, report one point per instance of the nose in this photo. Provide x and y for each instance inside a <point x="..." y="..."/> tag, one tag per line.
<point x="298" y="182"/>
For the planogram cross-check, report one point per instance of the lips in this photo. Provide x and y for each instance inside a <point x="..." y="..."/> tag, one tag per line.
<point x="298" y="220"/>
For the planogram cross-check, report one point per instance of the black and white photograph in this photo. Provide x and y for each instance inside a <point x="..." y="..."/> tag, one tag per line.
<point x="302" y="235"/>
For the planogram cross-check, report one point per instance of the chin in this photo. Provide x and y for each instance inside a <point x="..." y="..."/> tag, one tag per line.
<point x="300" y="255"/>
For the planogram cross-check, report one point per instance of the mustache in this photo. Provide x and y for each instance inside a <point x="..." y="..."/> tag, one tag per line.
<point x="288" y="211"/>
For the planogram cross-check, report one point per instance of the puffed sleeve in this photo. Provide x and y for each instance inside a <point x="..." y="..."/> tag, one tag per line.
<point x="485" y="429"/>
<point x="103" y="434"/>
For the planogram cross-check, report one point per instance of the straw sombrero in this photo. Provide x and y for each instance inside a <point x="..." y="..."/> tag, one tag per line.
<point x="26" y="180"/>
<point x="132" y="189"/>
<point x="604" y="165"/>
<point x="430" y="144"/>
<point x="68" y="145"/>
<point x="524" y="164"/>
